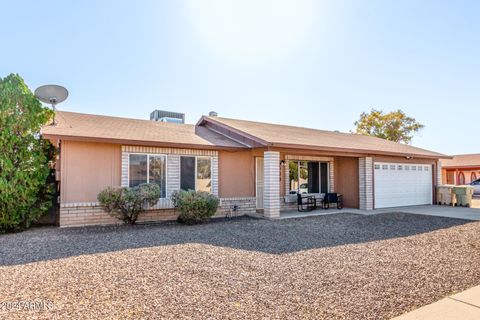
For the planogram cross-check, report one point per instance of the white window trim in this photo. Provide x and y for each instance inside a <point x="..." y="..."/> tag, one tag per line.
<point x="196" y="169"/>
<point x="148" y="168"/>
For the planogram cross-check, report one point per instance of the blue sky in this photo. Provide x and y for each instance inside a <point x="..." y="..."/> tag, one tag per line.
<point x="307" y="63"/>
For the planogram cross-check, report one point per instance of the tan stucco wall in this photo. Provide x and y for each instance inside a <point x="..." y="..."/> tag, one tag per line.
<point x="87" y="168"/>
<point x="236" y="174"/>
<point x="347" y="181"/>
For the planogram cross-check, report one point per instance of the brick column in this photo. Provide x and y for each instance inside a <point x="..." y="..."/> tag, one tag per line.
<point x="286" y="183"/>
<point x="365" y="170"/>
<point x="331" y="176"/>
<point x="125" y="164"/>
<point x="439" y="173"/>
<point x="215" y="176"/>
<point x="271" y="186"/>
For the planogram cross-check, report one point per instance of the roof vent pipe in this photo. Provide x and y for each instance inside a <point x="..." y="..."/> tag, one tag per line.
<point x="213" y="114"/>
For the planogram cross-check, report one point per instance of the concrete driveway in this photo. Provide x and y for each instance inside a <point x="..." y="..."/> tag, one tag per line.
<point x="439" y="211"/>
<point x="465" y="213"/>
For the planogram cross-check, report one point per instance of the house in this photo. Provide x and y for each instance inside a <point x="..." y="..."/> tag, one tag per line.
<point x="461" y="169"/>
<point x="252" y="167"/>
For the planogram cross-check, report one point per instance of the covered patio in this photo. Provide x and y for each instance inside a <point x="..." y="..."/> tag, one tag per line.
<point x="281" y="176"/>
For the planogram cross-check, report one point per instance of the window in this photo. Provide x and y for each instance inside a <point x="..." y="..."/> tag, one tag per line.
<point x="425" y="168"/>
<point x="196" y="173"/>
<point x="407" y="168"/>
<point x="385" y="167"/>
<point x="308" y="176"/>
<point x="138" y="169"/>
<point x="414" y="168"/>
<point x="187" y="173"/>
<point x="204" y="174"/>
<point x="392" y="167"/>
<point x="419" y="168"/>
<point x="400" y="167"/>
<point x="473" y="176"/>
<point x="157" y="172"/>
<point x="148" y="168"/>
<point x="299" y="175"/>
<point x="377" y="167"/>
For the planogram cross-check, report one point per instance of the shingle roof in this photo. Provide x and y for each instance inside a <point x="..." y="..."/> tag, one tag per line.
<point x="82" y="126"/>
<point x="298" y="137"/>
<point x="463" y="160"/>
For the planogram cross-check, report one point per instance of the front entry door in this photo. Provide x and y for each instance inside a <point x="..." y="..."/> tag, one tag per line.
<point x="259" y="182"/>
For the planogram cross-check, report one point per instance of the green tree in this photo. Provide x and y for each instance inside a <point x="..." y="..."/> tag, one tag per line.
<point x="24" y="156"/>
<point x="394" y="126"/>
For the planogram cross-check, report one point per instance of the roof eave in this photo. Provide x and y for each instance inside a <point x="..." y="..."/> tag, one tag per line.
<point x="357" y="151"/>
<point x="140" y="142"/>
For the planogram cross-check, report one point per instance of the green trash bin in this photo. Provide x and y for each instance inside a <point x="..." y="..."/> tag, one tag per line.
<point x="464" y="195"/>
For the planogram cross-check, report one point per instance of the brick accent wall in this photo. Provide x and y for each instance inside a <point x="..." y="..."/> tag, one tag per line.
<point x="87" y="214"/>
<point x="245" y="206"/>
<point x="160" y="150"/>
<point x="95" y="215"/>
<point x="308" y="158"/>
<point x="271" y="192"/>
<point x="365" y="170"/>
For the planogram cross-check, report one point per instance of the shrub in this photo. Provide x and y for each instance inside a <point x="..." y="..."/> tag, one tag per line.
<point x="25" y="194"/>
<point x="194" y="206"/>
<point x="127" y="203"/>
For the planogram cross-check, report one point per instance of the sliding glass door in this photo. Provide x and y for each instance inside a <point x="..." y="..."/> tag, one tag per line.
<point x="308" y="177"/>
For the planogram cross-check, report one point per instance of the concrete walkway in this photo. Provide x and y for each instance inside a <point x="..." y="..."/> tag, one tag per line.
<point x="461" y="306"/>
<point x="429" y="210"/>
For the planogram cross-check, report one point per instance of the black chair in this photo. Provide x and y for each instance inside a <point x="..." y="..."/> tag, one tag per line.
<point x="333" y="198"/>
<point x="306" y="203"/>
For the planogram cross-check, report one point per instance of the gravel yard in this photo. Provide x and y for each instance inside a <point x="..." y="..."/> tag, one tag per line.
<point x="341" y="266"/>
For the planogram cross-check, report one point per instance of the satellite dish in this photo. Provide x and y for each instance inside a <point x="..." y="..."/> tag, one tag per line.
<point x="53" y="94"/>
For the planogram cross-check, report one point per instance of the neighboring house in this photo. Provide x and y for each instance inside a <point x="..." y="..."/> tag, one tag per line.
<point x="250" y="165"/>
<point x="462" y="169"/>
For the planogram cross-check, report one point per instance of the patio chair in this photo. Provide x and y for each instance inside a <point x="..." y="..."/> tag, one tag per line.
<point x="306" y="203"/>
<point x="333" y="198"/>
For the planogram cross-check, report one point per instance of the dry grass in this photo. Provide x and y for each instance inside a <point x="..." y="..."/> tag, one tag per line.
<point x="331" y="267"/>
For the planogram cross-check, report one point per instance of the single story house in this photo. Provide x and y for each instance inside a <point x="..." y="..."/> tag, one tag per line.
<point x="252" y="167"/>
<point x="461" y="169"/>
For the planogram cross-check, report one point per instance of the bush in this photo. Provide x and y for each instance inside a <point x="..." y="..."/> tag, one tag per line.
<point x="194" y="206"/>
<point x="127" y="203"/>
<point x="25" y="194"/>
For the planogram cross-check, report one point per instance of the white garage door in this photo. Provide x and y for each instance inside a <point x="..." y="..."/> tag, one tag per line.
<point x="400" y="184"/>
